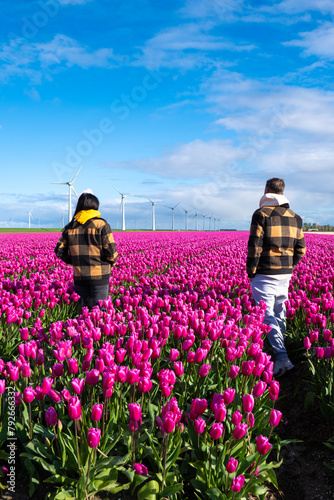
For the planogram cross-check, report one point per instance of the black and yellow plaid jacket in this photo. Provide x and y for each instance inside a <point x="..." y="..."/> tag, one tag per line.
<point x="276" y="242"/>
<point x="90" y="248"/>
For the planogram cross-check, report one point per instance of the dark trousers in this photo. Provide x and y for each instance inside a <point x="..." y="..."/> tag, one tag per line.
<point x="90" y="294"/>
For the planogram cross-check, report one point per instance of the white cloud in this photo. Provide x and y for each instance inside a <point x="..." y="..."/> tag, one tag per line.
<point x="265" y="108"/>
<point x="34" y="60"/>
<point x="33" y="94"/>
<point x="222" y="10"/>
<point x="185" y="47"/>
<point x="298" y="7"/>
<point x="319" y="42"/>
<point x="192" y="160"/>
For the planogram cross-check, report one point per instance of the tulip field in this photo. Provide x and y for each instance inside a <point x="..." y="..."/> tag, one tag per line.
<point x="165" y="390"/>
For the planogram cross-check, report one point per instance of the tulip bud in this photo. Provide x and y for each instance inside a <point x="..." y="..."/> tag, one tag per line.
<point x="51" y="416"/>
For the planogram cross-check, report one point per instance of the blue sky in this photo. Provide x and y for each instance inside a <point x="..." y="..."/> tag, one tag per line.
<point x="190" y="101"/>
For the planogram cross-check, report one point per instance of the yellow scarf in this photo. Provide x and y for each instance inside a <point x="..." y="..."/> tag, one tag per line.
<point x="85" y="215"/>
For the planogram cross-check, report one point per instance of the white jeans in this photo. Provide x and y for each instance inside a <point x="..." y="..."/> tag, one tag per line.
<point x="274" y="292"/>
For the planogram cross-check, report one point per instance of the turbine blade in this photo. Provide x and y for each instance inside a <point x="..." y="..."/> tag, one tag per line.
<point x="58" y="182"/>
<point x="71" y="182"/>
<point x="74" y="191"/>
<point x="118" y="190"/>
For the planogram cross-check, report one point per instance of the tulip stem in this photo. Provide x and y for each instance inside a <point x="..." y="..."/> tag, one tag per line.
<point x="57" y="444"/>
<point x="30" y="428"/>
<point x="89" y="464"/>
<point x="165" y="459"/>
<point x="76" y="442"/>
<point x="133" y="448"/>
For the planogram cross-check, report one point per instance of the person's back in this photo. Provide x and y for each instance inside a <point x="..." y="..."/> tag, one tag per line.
<point x="276" y="244"/>
<point x="276" y="240"/>
<point x="88" y="245"/>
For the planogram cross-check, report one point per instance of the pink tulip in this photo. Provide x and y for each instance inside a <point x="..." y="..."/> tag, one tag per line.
<point x="237" y="483"/>
<point x="78" y="385"/>
<point x="247" y="403"/>
<point x="262" y="445"/>
<point x="28" y="394"/>
<point x="234" y="370"/>
<point x="93" y="437"/>
<point x="92" y="377"/>
<point x="273" y="390"/>
<point x="239" y="431"/>
<point x="140" y="469"/>
<point x="199" y="425"/>
<point x="174" y="354"/>
<point x="135" y="412"/>
<point x="54" y="395"/>
<point x="236" y="417"/>
<point x="204" y="370"/>
<point x="232" y="465"/>
<point x="216" y="430"/>
<point x="73" y="366"/>
<point x="74" y="408"/>
<point x="219" y="412"/>
<point x="168" y="425"/>
<point x="178" y="367"/>
<point x="259" y="389"/>
<point x="97" y="412"/>
<point x="51" y="418"/>
<point x="275" y="417"/>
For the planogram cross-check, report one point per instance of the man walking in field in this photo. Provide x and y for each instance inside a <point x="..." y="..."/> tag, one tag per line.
<point x="276" y="244"/>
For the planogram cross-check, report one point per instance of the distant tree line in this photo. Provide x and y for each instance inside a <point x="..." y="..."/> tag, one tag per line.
<point x="316" y="227"/>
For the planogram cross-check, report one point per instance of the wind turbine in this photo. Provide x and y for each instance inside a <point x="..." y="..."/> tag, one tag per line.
<point x="153" y="212"/>
<point x="204" y="216"/>
<point x="172" y="209"/>
<point x="196" y="215"/>
<point x="122" y="205"/>
<point x="38" y="220"/>
<point x="70" y="189"/>
<point x="29" y="216"/>
<point x="11" y="222"/>
<point x="186" y="218"/>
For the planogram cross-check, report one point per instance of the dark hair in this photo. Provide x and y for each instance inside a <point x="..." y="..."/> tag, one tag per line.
<point x="275" y="185"/>
<point x="87" y="201"/>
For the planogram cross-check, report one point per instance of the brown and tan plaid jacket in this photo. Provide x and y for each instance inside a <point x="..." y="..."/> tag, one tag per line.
<point x="90" y="248"/>
<point x="276" y="242"/>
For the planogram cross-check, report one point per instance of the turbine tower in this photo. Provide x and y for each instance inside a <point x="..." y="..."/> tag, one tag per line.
<point x="123" y="208"/>
<point x="172" y="209"/>
<point x="153" y="212"/>
<point x="196" y="215"/>
<point x="204" y="216"/>
<point x="29" y="213"/>
<point x="70" y="189"/>
<point x="186" y="218"/>
<point x="11" y="221"/>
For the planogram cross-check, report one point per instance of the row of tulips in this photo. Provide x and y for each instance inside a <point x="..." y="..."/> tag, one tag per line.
<point x="164" y="390"/>
<point x="310" y="312"/>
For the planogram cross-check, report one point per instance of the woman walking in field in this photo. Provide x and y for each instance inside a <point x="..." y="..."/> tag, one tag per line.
<point x="88" y="245"/>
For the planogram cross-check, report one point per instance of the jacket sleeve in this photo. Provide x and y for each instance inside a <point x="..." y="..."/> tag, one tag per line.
<point x="300" y="249"/>
<point x="255" y="243"/>
<point x="62" y="249"/>
<point x="109" y="245"/>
